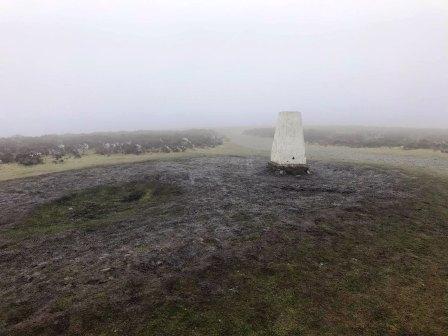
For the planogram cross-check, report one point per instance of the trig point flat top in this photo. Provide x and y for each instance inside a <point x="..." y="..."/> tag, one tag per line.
<point x="288" y="148"/>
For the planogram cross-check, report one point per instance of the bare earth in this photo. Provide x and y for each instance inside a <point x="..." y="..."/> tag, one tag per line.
<point x="221" y="204"/>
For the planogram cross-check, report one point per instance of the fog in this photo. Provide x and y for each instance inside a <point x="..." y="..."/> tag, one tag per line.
<point x="81" y="66"/>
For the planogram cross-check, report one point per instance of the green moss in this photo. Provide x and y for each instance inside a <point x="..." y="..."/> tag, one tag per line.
<point x="64" y="302"/>
<point x="92" y="208"/>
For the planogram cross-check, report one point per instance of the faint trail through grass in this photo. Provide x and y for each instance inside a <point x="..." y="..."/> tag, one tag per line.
<point x="420" y="160"/>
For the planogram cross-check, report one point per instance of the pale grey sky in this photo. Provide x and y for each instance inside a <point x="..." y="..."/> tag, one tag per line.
<point x="90" y="65"/>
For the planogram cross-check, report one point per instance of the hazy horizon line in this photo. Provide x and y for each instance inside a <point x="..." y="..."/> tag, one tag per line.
<point x="174" y="129"/>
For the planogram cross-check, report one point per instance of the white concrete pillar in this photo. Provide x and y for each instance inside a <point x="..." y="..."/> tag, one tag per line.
<point x="288" y="148"/>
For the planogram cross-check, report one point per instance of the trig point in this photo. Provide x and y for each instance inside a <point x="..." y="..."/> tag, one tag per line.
<point x="288" y="148"/>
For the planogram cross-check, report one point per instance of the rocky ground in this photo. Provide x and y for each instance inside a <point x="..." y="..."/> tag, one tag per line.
<point x="205" y="218"/>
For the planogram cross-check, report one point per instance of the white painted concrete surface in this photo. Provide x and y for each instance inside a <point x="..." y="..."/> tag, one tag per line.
<point x="288" y="147"/>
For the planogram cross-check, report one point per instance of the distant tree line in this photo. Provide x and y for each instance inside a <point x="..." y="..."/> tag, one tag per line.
<point x="31" y="150"/>
<point x="407" y="138"/>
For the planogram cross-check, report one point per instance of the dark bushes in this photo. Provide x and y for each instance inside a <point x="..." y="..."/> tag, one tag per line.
<point x="7" y="157"/>
<point x="29" y="159"/>
<point x="407" y="138"/>
<point x="24" y="149"/>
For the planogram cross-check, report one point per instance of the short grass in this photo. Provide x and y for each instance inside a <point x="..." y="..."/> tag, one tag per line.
<point x="14" y="171"/>
<point x="91" y="208"/>
<point x="420" y="160"/>
<point x="263" y="145"/>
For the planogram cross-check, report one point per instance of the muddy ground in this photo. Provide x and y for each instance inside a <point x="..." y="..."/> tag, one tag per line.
<point x="221" y="212"/>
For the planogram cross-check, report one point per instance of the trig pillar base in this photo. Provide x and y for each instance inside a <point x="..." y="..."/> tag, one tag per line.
<point x="292" y="169"/>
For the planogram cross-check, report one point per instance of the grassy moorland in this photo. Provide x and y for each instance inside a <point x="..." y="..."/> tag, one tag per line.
<point x="240" y="143"/>
<point x="22" y="156"/>
<point x="27" y="150"/>
<point x="369" y="137"/>
<point x="14" y="170"/>
<point x="420" y="160"/>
